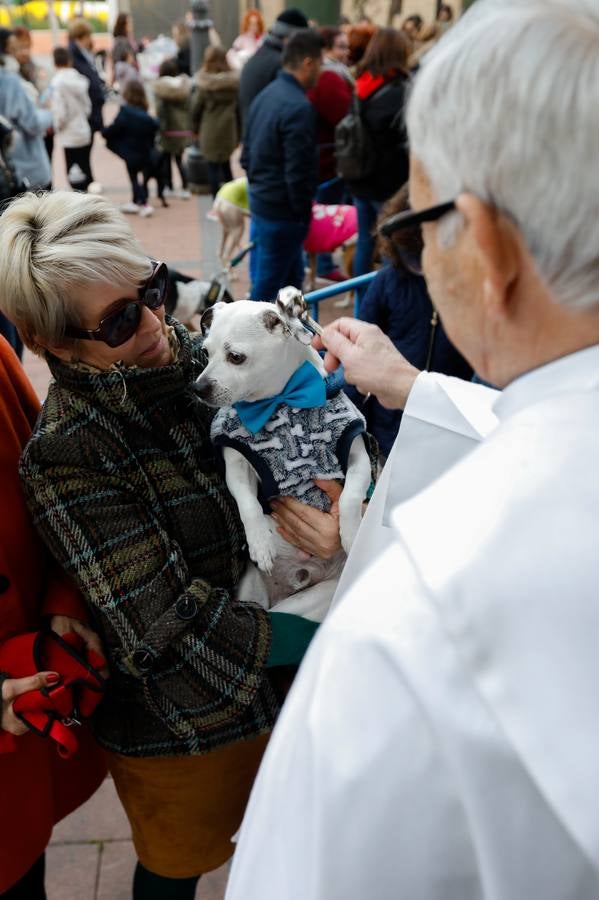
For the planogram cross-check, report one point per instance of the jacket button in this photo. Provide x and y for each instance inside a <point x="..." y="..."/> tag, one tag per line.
<point x="4" y="584"/>
<point x="142" y="660"/>
<point x="186" y="608"/>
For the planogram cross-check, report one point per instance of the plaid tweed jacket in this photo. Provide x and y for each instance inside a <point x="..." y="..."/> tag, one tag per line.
<point x="122" y="481"/>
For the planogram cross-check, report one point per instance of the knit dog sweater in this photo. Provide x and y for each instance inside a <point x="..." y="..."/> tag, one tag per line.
<point x="295" y="447"/>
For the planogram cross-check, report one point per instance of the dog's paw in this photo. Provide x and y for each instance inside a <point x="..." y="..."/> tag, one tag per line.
<point x="262" y="544"/>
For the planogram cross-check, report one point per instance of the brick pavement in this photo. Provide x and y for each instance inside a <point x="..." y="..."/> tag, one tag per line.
<point x="91" y="856"/>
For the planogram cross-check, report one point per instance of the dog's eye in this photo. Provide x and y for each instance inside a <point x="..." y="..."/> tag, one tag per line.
<point x="236" y="358"/>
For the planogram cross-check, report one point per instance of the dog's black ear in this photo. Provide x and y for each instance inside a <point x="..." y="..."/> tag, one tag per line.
<point x="206" y="320"/>
<point x="271" y="321"/>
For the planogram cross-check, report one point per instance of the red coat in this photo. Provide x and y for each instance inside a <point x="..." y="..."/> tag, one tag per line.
<point x="37" y="787"/>
<point x="331" y="97"/>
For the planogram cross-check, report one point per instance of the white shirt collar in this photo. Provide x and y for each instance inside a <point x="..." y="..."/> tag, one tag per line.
<point x="577" y="371"/>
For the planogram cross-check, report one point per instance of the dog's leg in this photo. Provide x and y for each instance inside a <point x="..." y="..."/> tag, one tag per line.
<point x="357" y="480"/>
<point x="224" y="235"/>
<point x="242" y="482"/>
<point x="235" y="246"/>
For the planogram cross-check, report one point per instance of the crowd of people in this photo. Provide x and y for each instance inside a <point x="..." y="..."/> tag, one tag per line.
<point x="440" y="738"/>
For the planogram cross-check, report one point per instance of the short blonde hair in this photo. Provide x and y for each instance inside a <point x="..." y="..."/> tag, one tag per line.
<point x="51" y="246"/>
<point x="79" y="28"/>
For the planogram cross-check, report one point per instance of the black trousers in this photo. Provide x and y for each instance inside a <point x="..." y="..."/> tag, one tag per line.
<point x="31" y="885"/>
<point x="218" y="173"/>
<point x="168" y="170"/>
<point x="80" y="156"/>
<point x="140" y="192"/>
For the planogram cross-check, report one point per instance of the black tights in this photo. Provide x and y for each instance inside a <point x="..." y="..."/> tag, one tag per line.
<point x="31" y="885"/>
<point x="147" y="886"/>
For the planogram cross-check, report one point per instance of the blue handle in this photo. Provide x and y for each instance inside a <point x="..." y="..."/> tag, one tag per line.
<point x="339" y="287"/>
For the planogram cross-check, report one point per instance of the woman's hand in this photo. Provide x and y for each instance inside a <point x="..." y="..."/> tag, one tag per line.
<point x="13" y="688"/>
<point x="63" y="624"/>
<point x="370" y="361"/>
<point x="311" y="530"/>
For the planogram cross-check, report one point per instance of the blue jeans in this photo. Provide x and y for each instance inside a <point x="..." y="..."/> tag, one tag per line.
<point x="367" y="212"/>
<point x="278" y="257"/>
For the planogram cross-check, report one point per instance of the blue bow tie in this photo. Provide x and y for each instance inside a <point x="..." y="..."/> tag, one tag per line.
<point x="305" y="389"/>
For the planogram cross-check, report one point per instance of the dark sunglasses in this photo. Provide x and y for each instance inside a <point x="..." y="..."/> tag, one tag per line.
<point x="408" y="219"/>
<point x="119" y="326"/>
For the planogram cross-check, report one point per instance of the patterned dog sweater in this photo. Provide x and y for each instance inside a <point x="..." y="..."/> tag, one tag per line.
<point x="295" y="447"/>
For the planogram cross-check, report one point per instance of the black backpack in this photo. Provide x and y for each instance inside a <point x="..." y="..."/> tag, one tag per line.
<point x="354" y="150"/>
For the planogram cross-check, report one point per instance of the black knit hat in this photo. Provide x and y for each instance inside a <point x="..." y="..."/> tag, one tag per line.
<point x="293" y="17"/>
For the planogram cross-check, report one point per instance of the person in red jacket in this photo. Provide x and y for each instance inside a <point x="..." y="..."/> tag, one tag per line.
<point x="38" y="787"/>
<point x="331" y="98"/>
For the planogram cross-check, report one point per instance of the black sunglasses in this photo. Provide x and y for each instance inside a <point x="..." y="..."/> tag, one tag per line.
<point x="119" y="326"/>
<point x="410" y="219"/>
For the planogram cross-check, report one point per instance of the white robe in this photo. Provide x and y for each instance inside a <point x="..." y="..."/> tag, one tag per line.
<point x="442" y="739"/>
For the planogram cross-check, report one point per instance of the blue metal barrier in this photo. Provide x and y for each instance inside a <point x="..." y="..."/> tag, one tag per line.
<point x="339" y="287"/>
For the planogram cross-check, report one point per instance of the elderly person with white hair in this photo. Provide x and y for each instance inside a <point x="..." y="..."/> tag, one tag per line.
<point x="124" y="487"/>
<point x="441" y="741"/>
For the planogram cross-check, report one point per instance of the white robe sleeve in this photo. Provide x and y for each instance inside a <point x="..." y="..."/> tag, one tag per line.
<point x="443" y="420"/>
<point x="354" y="798"/>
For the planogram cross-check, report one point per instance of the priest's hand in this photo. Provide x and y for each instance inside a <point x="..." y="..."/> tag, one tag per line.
<point x="369" y="359"/>
<point x="311" y="530"/>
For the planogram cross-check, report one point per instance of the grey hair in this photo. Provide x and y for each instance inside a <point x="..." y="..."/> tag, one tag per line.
<point x="51" y="246"/>
<point x="506" y="107"/>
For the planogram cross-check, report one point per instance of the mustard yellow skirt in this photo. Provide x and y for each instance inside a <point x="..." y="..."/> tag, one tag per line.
<point x="184" y="810"/>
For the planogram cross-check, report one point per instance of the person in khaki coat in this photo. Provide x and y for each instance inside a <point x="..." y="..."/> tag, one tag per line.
<point x="215" y="115"/>
<point x="171" y="92"/>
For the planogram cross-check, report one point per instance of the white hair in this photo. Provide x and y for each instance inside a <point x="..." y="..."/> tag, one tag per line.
<point x="51" y="246"/>
<point x="507" y="107"/>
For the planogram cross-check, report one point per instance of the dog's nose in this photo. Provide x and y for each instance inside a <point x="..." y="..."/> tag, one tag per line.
<point x="203" y="387"/>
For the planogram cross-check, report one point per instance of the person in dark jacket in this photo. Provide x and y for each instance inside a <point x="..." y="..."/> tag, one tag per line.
<point x="182" y="39"/>
<point x="382" y="87"/>
<point x="263" y="66"/>
<point x="132" y="136"/>
<point x="279" y="156"/>
<point x="399" y="303"/>
<point x="80" y="49"/>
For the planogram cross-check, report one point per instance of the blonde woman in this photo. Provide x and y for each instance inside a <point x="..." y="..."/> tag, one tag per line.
<point x="122" y="481"/>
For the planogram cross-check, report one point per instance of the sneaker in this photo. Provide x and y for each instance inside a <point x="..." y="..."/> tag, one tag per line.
<point x="211" y="216"/>
<point x="132" y="208"/>
<point x="168" y="192"/>
<point x="183" y="194"/>
<point x="334" y="275"/>
<point x="146" y="210"/>
<point x="94" y="187"/>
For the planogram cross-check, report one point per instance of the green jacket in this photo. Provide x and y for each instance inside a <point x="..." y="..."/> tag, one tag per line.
<point x="215" y="114"/>
<point x="122" y="481"/>
<point x="172" y="95"/>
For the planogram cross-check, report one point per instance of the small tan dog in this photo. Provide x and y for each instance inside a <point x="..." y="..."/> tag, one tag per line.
<point x="332" y="226"/>
<point x="231" y="207"/>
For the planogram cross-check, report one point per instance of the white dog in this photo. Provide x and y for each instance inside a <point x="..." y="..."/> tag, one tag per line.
<point x="278" y="433"/>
